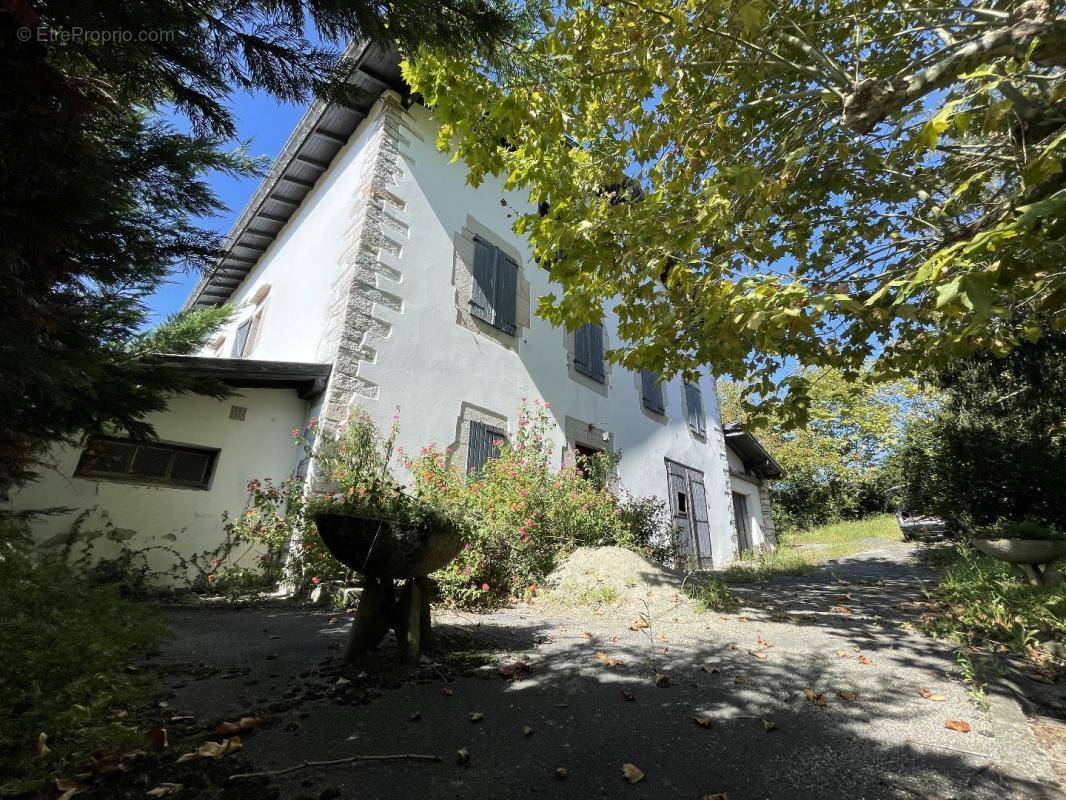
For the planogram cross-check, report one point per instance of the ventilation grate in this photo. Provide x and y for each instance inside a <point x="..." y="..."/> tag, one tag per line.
<point x="238" y="413"/>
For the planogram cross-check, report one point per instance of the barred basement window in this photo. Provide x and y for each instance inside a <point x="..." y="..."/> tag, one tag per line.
<point x="484" y="445"/>
<point x="149" y="462"/>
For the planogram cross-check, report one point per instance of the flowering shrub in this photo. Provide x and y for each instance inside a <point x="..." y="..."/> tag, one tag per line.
<point x="351" y="475"/>
<point x="523" y="516"/>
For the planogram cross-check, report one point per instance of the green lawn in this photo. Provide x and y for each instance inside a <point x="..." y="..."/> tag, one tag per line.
<point x="797" y="553"/>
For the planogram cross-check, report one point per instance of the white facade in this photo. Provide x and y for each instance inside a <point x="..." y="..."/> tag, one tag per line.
<point x="386" y="225"/>
<point x="371" y="273"/>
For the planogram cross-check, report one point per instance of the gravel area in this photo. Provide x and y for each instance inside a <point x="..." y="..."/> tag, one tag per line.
<point x="813" y="689"/>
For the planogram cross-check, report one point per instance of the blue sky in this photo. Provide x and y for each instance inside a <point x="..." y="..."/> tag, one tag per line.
<point x="265" y="124"/>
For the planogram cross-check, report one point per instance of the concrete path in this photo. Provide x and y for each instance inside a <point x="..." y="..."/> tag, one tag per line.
<point x="826" y="660"/>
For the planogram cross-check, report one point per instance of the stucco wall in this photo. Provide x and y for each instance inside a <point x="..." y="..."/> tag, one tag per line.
<point x="304" y="268"/>
<point x="186" y="520"/>
<point x="428" y="364"/>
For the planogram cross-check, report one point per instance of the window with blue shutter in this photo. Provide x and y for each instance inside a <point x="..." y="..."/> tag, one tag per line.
<point x="694" y="414"/>
<point x="651" y="392"/>
<point x="494" y="294"/>
<point x="588" y="351"/>
<point x="482" y="446"/>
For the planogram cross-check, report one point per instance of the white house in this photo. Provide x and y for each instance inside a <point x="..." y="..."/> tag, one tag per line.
<point x="364" y="256"/>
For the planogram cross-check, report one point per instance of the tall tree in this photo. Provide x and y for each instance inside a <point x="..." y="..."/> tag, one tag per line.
<point x="753" y="183"/>
<point x="99" y="198"/>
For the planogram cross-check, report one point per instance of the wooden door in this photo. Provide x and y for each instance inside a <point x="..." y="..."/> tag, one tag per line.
<point x="743" y="522"/>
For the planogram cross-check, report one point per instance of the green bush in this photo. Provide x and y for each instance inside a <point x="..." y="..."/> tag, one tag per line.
<point x="523" y="516"/>
<point x="983" y="602"/>
<point x="65" y="642"/>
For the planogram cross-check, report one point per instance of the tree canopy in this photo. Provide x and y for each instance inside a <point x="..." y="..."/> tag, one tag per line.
<point x="101" y="201"/>
<point x="750" y="184"/>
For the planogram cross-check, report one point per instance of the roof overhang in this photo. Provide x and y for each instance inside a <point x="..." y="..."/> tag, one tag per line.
<point x="322" y="132"/>
<point x="755" y="457"/>
<point x="308" y="380"/>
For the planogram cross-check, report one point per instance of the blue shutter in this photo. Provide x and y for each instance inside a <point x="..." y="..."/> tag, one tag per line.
<point x="506" y="293"/>
<point x="595" y="345"/>
<point x="481" y="446"/>
<point x="651" y="391"/>
<point x="581" y="350"/>
<point x="483" y="292"/>
<point x="694" y="413"/>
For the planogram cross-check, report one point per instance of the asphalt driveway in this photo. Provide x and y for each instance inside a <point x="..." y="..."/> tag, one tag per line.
<point x="815" y="689"/>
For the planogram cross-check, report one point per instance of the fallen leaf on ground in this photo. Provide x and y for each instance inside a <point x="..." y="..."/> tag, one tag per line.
<point x="661" y="637"/>
<point x="514" y="669"/>
<point x="342" y="681"/>
<point x="625" y="695"/>
<point x="527" y="731"/>
<point x="462" y="757"/>
<point x="662" y="680"/>
<point x="717" y="796"/>
<point x="214" y="750"/>
<point x="632" y="773"/>
<point x="587" y="634"/>
<point x="709" y="669"/>
<point x="447" y="692"/>
<point x="614" y="639"/>
<point x="840" y="610"/>
<point x="68" y="788"/>
<point x="1043" y="677"/>
<point x="928" y="695"/>
<point x="744" y="619"/>
<point x="843" y="598"/>
<point x="606" y="660"/>
<point x="331" y="621"/>
<point x="815" y="697"/>
<point x="476" y="716"/>
<point x="242" y="726"/>
<point x="732" y="646"/>
<point x="763" y="644"/>
<point x="416" y="716"/>
<point x="758" y="654"/>
<point x="769" y="725"/>
<point x="957" y="725"/>
<point x="843" y="654"/>
<point x="638" y="625"/>
<point x="42" y="748"/>
<point x="864" y="661"/>
<point x="165" y="790"/>
<point x="703" y="722"/>
<point x="739" y="679"/>
<point x="846" y="694"/>
<point x="158" y="737"/>
<point x="561" y="773"/>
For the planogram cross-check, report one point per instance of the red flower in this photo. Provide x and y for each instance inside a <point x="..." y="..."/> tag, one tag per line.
<point x="484" y="587"/>
<point x="315" y="580"/>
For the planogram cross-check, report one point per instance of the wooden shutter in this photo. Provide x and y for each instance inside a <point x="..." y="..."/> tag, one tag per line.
<point x="588" y="351"/>
<point x="701" y="525"/>
<point x="506" y="293"/>
<point x="595" y="336"/>
<point x="677" y="488"/>
<point x="241" y="339"/>
<point x="483" y="291"/>
<point x="481" y="446"/>
<point x="694" y="413"/>
<point x="651" y="391"/>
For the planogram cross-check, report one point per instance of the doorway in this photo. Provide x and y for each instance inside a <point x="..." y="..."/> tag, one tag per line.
<point x="688" y="508"/>
<point x="742" y="519"/>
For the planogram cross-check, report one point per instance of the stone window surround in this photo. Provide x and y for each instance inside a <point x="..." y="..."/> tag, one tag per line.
<point x="577" y="432"/>
<point x="458" y="450"/>
<point x="463" y="280"/>
<point x="662" y="419"/>
<point x="580" y="377"/>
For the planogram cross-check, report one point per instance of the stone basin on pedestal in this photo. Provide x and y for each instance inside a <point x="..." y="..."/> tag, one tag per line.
<point x="1033" y="557"/>
<point x="384" y="552"/>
